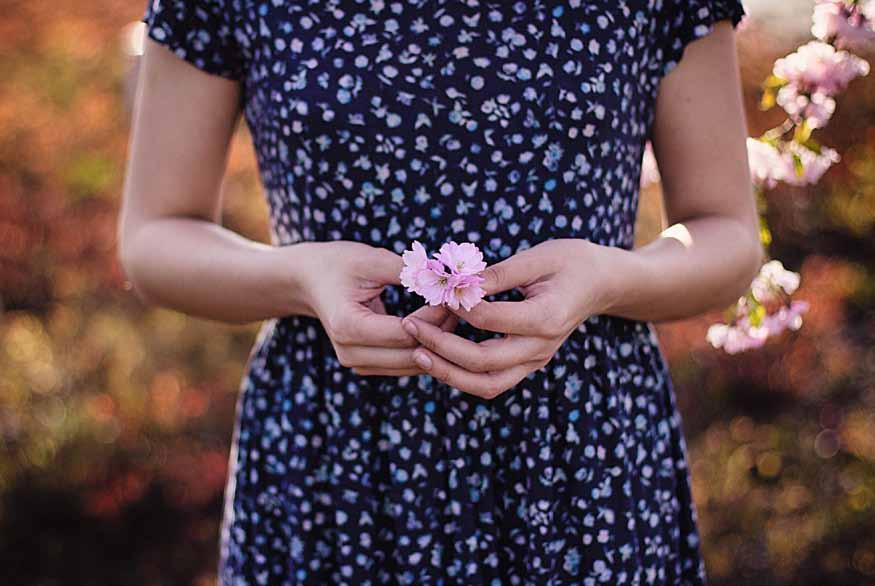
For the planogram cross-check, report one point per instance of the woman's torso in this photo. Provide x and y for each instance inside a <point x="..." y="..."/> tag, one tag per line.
<point x="501" y="123"/>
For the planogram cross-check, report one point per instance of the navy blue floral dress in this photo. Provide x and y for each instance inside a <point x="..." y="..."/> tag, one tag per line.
<point x="504" y="123"/>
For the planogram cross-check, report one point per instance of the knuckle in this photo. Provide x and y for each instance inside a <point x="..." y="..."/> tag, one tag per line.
<point x="495" y="275"/>
<point x="492" y="391"/>
<point x="403" y="340"/>
<point x="387" y="255"/>
<point x="543" y="356"/>
<point x="344" y="358"/>
<point x="436" y="371"/>
<point x="443" y="375"/>
<point x="429" y="341"/>
<point x="483" y="361"/>
<point x="338" y="329"/>
<point x="481" y="319"/>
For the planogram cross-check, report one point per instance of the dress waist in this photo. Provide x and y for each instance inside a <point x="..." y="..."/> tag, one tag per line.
<point x="400" y="303"/>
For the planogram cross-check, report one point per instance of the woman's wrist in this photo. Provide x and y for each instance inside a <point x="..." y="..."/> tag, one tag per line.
<point x="286" y="270"/>
<point x="621" y="274"/>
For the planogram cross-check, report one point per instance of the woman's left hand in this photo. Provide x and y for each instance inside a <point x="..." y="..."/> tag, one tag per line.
<point x="564" y="282"/>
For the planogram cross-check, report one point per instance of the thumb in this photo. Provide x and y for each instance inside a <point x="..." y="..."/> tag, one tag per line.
<point x="382" y="267"/>
<point x="515" y="271"/>
<point x="433" y="314"/>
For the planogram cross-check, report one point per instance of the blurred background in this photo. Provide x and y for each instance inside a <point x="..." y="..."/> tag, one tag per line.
<point x="116" y="419"/>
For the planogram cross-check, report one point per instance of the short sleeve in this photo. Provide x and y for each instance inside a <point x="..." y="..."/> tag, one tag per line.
<point x="202" y="32"/>
<point x="690" y="20"/>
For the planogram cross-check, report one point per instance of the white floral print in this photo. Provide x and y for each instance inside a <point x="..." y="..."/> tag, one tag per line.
<point x="503" y="123"/>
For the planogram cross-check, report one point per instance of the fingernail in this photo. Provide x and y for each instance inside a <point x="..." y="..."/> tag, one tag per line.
<point x="422" y="360"/>
<point x="409" y="327"/>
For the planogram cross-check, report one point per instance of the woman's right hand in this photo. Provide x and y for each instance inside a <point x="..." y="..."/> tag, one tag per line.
<point x="340" y="284"/>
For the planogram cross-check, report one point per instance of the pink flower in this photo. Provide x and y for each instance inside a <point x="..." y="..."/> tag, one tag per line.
<point x="769" y="164"/>
<point x="414" y="261"/>
<point x="813" y="165"/>
<point x="772" y="277"/>
<point x="742" y="335"/>
<point x="815" y="109"/>
<point x="433" y="282"/>
<point x="735" y="339"/>
<point x="765" y="162"/>
<point x="837" y="21"/>
<point x="463" y="259"/>
<point x="464" y="290"/>
<point x="452" y="277"/>
<point x="786" y="318"/>
<point x="830" y="18"/>
<point x="818" y="67"/>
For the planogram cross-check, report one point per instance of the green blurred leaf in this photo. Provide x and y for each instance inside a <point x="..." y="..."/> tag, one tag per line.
<point x="757" y="313"/>
<point x="89" y="175"/>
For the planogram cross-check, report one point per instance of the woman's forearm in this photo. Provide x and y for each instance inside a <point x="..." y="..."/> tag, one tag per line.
<point x="695" y="266"/>
<point x="202" y="269"/>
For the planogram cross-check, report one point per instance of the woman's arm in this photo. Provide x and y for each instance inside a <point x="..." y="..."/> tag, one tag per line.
<point x="177" y="255"/>
<point x="705" y="259"/>
<point x="711" y="251"/>
<point x="171" y="245"/>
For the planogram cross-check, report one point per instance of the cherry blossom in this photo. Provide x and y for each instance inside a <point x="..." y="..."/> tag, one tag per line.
<point x="804" y="85"/>
<point x="765" y="161"/>
<point x="452" y="277"/>
<point x="772" y="280"/>
<point x="464" y="290"/>
<point x="785" y="318"/>
<point x="844" y="23"/>
<point x="462" y="258"/>
<point x="819" y="67"/>
<point x="414" y="261"/>
<point x="802" y="166"/>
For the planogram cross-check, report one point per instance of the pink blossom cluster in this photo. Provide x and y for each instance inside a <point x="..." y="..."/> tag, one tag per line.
<point x="774" y="281"/>
<point x="770" y="291"/>
<point x="743" y="335"/>
<point x="452" y="277"/>
<point x="804" y="84"/>
<point x="844" y="22"/>
<point x="770" y="164"/>
<point x="812" y="76"/>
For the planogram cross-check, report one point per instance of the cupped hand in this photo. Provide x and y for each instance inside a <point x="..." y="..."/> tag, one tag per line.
<point x="563" y="281"/>
<point x="341" y="286"/>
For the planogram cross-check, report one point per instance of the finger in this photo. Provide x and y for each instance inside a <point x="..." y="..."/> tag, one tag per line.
<point x="356" y="325"/>
<point x="437" y="314"/>
<point x="487" y="356"/>
<point x="450" y="323"/>
<point x="362" y="371"/>
<point x="382" y="267"/>
<point x="529" y="317"/>
<point x="376" y="305"/>
<point x="433" y="314"/>
<point x="518" y="270"/>
<point x="373" y="357"/>
<point x="486" y="385"/>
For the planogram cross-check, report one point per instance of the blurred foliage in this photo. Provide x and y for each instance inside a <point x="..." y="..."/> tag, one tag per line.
<point x="116" y="419"/>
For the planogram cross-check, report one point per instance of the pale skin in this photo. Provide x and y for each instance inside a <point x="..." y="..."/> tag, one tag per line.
<point x="176" y="253"/>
